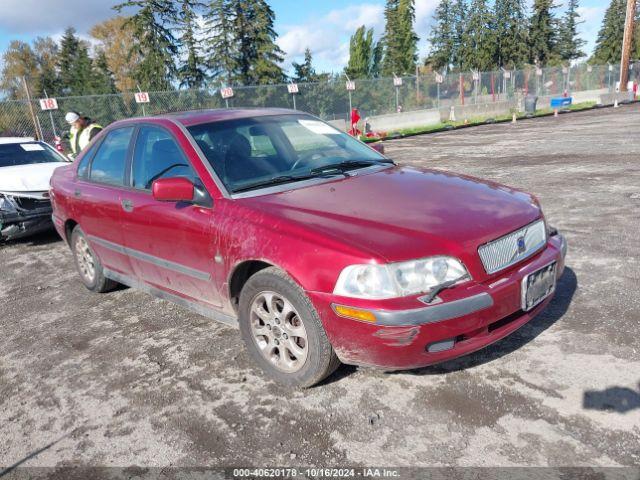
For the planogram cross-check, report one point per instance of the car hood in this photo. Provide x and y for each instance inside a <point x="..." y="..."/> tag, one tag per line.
<point x="401" y="213"/>
<point x="27" y="178"/>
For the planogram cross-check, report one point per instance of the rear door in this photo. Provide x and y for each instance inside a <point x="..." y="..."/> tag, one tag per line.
<point x="98" y="198"/>
<point x="169" y="243"/>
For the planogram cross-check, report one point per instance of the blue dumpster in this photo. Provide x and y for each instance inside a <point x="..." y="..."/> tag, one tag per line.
<point x="561" y="102"/>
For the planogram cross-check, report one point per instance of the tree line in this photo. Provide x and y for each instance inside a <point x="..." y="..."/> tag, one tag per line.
<point x="168" y="44"/>
<point x="477" y="35"/>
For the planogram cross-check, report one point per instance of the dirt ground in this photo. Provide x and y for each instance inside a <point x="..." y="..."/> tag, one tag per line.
<point x="124" y="379"/>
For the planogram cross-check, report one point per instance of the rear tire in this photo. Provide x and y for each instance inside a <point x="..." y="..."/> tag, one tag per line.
<point x="283" y="332"/>
<point x="88" y="264"/>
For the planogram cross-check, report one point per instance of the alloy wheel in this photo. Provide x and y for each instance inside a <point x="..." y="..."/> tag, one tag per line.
<point x="86" y="263"/>
<point x="278" y="331"/>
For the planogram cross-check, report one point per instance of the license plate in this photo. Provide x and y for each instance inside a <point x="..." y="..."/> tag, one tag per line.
<point x="537" y="286"/>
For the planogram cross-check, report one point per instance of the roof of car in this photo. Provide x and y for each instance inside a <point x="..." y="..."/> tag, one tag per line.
<point x="195" y="117"/>
<point x="5" y="140"/>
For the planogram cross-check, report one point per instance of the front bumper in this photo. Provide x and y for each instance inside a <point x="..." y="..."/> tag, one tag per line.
<point x="470" y="317"/>
<point x="22" y="222"/>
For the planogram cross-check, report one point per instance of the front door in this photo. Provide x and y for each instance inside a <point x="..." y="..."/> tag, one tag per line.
<point x="169" y="243"/>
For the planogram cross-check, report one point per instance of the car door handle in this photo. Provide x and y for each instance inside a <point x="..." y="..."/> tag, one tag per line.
<point x="77" y="193"/>
<point x="127" y="205"/>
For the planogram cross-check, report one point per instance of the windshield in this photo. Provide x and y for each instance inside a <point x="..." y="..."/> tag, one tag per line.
<point x="251" y="153"/>
<point x="26" y="153"/>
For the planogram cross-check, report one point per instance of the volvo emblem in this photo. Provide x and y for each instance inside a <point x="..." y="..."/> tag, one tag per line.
<point x="522" y="245"/>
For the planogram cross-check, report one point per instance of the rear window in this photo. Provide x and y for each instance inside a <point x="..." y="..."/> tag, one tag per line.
<point x="26" y="153"/>
<point x="110" y="159"/>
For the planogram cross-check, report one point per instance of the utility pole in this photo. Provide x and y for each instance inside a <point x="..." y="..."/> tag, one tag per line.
<point x="626" y="44"/>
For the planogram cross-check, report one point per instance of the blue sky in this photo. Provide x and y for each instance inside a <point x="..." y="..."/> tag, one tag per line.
<point x="322" y="25"/>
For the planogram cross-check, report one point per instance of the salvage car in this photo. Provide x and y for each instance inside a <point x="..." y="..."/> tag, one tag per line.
<point x="25" y="169"/>
<point x="320" y="249"/>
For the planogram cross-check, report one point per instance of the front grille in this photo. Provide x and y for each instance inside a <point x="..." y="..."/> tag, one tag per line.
<point x="32" y="203"/>
<point x="510" y="249"/>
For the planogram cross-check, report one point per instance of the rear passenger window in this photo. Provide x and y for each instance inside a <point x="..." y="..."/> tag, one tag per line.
<point x="83" y="168"/>
<point x="109" y="162"/>
<point x="157" y="155"/>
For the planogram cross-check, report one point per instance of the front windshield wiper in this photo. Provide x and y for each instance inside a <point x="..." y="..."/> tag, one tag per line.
<point x="282" y="179"/>
<point x="350" y="165"/>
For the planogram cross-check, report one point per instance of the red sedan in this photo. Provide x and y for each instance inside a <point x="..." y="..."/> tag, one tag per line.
<point x="320" y="249"/>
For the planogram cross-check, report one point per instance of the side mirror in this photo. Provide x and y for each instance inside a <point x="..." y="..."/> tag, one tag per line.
<point x="176" y="189"/>
<point x="378" y="146"/>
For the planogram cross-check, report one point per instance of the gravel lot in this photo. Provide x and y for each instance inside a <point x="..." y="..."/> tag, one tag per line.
<point x="124" y="379"/>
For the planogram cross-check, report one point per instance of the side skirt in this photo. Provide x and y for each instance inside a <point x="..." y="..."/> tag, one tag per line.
<point x="183" y="302"/>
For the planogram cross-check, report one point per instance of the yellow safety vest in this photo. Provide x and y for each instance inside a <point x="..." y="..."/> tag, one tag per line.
<point x="80" y="140"/>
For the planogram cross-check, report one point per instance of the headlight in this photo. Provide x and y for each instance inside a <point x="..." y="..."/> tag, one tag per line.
<point x="7" y="204"/>
<point x="398" y="279"/>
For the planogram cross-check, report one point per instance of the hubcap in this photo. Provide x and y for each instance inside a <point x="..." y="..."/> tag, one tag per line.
<point x="278" y="331"/>
<point x="85" y="259"/>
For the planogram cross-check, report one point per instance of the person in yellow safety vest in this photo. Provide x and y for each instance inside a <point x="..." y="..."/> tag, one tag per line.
<point x="83" y="129"/>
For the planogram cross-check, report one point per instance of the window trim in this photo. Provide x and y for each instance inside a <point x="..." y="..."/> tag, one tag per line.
<point x="88" y="178"/>
<point x="129" y="167"/>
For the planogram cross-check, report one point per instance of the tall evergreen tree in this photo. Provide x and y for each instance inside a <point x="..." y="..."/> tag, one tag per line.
<point x="361" y="50"/>
<point x="75" y="65"/>
<point x="192" y="72"/>
<point x="442" y="36"/>
<point x="543" y="34"/>
<point x="478" y="50"/>
<point x="157" y="47"/>
<point x="459" y="18"/>
<point x="569" y="43"/>
<point x="511" y="33"/>
<point x="259" y="57"/>
<point x="220" y="43"/>
<point x="400" y="39"/>
<point x="102" y="78"/>
<point x="83" y="79"/>
<point x="69" y="49"/>
<point x="304" y="72"/>
<point x="609" y="41"/>
<point x="376" y="60"/>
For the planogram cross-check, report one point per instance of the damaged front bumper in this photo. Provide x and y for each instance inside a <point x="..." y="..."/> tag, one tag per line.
<point x="24" y="214"/>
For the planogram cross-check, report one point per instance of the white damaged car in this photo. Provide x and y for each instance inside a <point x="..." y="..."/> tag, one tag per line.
<point x="26" y="167"/>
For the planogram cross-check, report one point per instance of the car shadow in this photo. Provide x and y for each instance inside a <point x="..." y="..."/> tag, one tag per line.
<point x="341" y="372"/>
<point x="565" y="290"/>
<point x="37" y="239"/>
<point x="613" y="399"/>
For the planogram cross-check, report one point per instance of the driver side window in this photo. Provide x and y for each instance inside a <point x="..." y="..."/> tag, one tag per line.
<point x="157" y="155"/>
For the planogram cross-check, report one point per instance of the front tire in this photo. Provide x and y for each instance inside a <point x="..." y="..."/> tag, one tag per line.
<point x="283" y="332"/>
<point x="88" y="264"/>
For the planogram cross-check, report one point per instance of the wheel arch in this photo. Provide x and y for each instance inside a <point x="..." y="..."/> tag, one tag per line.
<point x="244" y="270"/>
<point x="69" y="225"/>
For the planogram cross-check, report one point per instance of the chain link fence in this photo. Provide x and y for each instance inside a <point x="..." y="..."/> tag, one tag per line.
<point x="329" y="100"/>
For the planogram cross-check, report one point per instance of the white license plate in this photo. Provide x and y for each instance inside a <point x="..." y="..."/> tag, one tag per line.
<point x="537" y="286"/>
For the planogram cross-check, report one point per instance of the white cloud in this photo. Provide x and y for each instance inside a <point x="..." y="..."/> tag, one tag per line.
<point x="43" y="17"/>
<point x="328" y="36"/>
<point x="592" y="17"/>
<point x="424" y="22"/>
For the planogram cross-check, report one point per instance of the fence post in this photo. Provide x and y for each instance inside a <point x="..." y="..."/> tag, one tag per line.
<point x="493" y="87"/>
<point x="417" y="85"/>
<point x="36" y="124"/>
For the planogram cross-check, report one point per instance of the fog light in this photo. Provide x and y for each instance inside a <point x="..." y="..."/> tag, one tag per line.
<point x="355" y="313"/>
